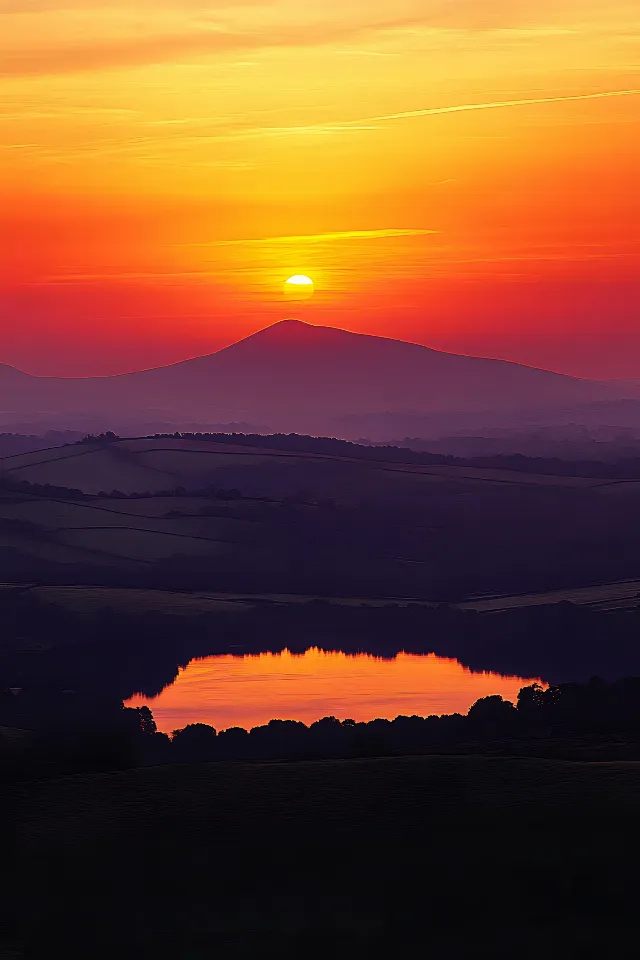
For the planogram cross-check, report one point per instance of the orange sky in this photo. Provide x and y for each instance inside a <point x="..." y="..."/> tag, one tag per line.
<point x="463" y="173"/>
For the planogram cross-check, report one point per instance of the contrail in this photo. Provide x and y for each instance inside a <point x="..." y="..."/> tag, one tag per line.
<point x="372" y="123"/>
<point x="492" y="105"/>
<point x="369" y="123"/>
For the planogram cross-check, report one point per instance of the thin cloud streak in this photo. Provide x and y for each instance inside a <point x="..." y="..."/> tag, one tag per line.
<point x="373" y="123"/>
<point x="320" y="237"/>
<point x="496" y="104"/>
<point x="134" y="52"/>
<point x="364" y="124"/>
<point x="63" y="6"/>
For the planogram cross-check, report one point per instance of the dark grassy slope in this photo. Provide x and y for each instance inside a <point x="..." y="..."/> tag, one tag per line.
<point x="447" y="546"/>
<point x="449" y="855"/>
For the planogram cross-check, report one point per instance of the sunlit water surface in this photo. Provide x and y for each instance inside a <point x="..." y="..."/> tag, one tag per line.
<point x="227" y="691"/>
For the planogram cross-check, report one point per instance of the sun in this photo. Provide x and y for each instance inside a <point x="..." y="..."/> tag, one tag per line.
<point x="298" y="287"/>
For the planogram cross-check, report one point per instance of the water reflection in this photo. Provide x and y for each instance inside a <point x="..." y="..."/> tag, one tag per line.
<point x="228" y="691"/>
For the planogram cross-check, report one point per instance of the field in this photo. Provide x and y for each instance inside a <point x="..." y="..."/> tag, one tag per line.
<point x="224" y="518"/>
<point x="136" y="466"/>
<point x="244" y="857"/>
<point x="113" y="531"/>
<point x="620" y="595"/>
<point x="88" y="599"/>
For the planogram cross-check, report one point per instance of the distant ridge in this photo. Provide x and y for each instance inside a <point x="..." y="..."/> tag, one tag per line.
<point x="297" y="377"/>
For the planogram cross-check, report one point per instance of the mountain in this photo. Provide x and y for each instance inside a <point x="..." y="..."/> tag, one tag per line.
<point x="294" y="376"/>
<point x="626" y="388"/>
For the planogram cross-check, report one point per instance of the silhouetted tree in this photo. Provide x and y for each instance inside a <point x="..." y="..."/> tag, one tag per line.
<point x="531" y="699"/>
<point x="196" y="741"/>
<point x="147" y="723"/>
<point x="492" y="709"/>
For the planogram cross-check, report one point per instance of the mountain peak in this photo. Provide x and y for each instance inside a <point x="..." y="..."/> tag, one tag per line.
<point x="290" y="333"/>
<point x="290" y="325"/>
<point x="289" y="321"/>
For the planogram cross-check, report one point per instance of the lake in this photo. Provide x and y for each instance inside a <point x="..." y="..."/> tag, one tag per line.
<point x="246" y="691"/>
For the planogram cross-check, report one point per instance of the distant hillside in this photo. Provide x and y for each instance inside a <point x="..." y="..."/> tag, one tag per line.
<point x="229" y="514"/>
<point x="278" y="464"/>
<point x="609" y="417"/>
<point x="297" y="377"/>
<point x="12" y="444"/>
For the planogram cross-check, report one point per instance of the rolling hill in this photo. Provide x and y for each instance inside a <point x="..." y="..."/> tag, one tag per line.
<point x="154" y="464"/>
<point x="298" y="378"/>
<point x="213" y="515"/>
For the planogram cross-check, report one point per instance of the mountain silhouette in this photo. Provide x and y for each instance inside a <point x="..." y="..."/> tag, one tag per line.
<point x="295" y="376"/>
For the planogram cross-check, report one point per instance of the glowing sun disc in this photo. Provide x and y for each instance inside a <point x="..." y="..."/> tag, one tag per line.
<point x="299" y="287"/>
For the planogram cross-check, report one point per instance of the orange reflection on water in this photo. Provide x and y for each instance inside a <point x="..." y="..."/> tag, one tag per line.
<point x="227" y="691"/>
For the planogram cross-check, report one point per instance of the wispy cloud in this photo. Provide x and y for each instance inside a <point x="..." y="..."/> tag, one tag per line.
<point x="496" y="104"/>
<point x="365" y="53"/>
<point x="56" y="6"/>
<point x="134" y="51"/>
<point x="321" y="237"/>
<point x="230" y="130"/>
<point x="373" y="123"/>
<point x="376" y="122"/>
<point x="161" y="31"/>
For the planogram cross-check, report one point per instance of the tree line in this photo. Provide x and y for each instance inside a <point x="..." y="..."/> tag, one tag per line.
<point x="78" y="734"/>
<point x="627" y="468"/>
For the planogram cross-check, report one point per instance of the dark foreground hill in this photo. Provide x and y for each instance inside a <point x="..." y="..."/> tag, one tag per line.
<point x="293" y="376"/>
<point x="448" y="856"/>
